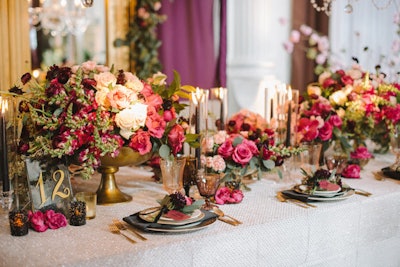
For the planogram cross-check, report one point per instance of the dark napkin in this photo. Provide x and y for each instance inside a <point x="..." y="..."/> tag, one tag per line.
<point x="295" y="195"/>
<point x="137" y="222"/>
<point x="387" y="171"/>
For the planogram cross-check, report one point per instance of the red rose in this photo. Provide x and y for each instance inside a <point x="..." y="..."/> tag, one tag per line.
<point x="242" y="154"/>
<point x="55" y="220"/>
<point x="336" y="121"/>
<point x="346" y="79"/>
<point x="351" y="171"/>
<point x="325" y="133"/>
<point x="140" y="142"/>
<point x="328" y="82"/>
<point x="176" y="137"/>
<point x="308" y="129"/>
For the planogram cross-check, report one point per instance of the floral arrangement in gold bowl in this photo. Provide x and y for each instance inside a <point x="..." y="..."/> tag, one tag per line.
<point x="85" y="112"/>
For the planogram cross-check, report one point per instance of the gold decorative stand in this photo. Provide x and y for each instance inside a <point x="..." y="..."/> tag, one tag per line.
<point x="108" y="191"/>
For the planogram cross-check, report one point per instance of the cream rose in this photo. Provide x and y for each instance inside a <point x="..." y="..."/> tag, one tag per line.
<point x="133" y="82"/>
<point x="338" y="98"/>
<point x="121" y="97"/>
<point x="101" y="97"/>
<point x="104" y="79"/>
<point x="313" y="89"/>
<point x="131" y="119"/>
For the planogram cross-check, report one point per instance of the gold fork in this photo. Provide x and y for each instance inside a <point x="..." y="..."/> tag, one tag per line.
<point x="122" y="226"/>
<point x="114" y="229"/>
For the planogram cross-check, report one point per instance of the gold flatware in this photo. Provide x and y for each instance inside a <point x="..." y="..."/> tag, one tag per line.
<point x="379" y="176"/>
<point x="220" y="213"/>
<point x="297" y="202"/>
<point x="122" y="226"/>
<point x="362" y="192"/>
<point x="115" y="230"/>
<point x="226" y="220"/>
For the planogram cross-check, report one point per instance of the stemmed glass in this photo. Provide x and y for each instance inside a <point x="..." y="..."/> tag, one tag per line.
<point x="172" y="174"/>
<point x="395" y="148"/>
<point x="207" y="184"/>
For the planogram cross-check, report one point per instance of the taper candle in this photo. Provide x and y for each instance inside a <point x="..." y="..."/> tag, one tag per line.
<point x="4" y="151"/>
<point x="289" y="118"/>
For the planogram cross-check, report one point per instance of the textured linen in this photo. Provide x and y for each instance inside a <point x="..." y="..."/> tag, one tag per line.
<point x="359" y="231"/>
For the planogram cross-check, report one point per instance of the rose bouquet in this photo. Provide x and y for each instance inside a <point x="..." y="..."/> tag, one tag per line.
<point x="84" y="112"/>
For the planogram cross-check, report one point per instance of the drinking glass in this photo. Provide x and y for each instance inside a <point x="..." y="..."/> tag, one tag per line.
<point x="207" y="184"/>
<point x="172" y="174"/>
<point x="310" y="157"/>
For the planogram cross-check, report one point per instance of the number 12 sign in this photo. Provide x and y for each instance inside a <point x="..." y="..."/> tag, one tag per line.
<point x="49" y="185"/>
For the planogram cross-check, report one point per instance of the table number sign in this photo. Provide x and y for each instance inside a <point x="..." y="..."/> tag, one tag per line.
<point x="49" y="185"/>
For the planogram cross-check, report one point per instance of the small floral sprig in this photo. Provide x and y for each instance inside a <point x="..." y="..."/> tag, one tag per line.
<point x="321" y="179"/>
<point x="50" y="219"/>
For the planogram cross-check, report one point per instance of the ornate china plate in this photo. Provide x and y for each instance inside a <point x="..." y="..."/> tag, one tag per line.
<point x="196" y="216"/>
<point x="185" y="228"/>
<point x="346" y="194"/>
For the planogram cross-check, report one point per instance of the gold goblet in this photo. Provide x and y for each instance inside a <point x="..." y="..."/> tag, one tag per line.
<point x="207" y="184"/>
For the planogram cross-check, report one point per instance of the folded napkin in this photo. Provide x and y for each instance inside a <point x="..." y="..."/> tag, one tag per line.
<point x="295" y="195"/>
<point x="387" y="171"/>
<point x="137" y="222"/>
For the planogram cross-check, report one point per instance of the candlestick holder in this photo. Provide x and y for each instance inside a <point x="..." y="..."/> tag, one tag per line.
<point x="218" y="109"/>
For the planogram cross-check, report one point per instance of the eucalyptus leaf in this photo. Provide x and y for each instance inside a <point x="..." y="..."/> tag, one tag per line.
<point x="164" y="151"/>
<point x="269" y="164"/>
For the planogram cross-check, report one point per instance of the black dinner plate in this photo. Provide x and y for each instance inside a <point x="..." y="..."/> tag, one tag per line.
<point x="391" y="173"/>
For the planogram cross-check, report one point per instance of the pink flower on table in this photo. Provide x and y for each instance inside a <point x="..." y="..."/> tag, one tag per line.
<point x="226" y="195"/>
<point x="140" y="142"/>
<point x="242" y="154"/>
<point x="237" y="195"/>
<point x="55" y="220"/>
<point x="351" y="171"/>
<point x="176" y="137"/>
<point x="361" y="153"/>
<point x="37" y="221"/>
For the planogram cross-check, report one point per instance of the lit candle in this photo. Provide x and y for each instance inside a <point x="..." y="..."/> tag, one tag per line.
<point x="221" y="98"/>
<point x="3" y="137"/>
<point x="289" y="118"/>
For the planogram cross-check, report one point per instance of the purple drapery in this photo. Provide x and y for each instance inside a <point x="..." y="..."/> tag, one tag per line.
<point x="188" y="43"/>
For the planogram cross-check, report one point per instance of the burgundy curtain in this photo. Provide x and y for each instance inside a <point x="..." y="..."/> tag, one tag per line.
<point x="188" y="42"/>
<point x="303" y="68"/>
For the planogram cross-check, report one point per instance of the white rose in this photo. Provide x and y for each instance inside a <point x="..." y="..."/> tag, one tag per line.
<point x="338" y="98"/>
<point x="104" y="79"/>
<point x="131" y="119"/>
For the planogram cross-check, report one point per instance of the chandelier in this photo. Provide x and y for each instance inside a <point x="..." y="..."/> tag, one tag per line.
<point x="325" y="5"/>
<point x="60" y="17"/>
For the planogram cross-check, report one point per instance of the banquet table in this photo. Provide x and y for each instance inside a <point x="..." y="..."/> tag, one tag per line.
<point x="358" y="231"/>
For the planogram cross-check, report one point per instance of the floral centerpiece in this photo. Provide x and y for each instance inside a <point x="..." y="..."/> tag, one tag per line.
<point x="85" y="112"/>
<point x="350" y="106"/>
<point x="246" y="146"/>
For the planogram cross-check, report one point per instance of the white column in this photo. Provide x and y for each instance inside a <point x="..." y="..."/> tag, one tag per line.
<point x="255" y="51"/>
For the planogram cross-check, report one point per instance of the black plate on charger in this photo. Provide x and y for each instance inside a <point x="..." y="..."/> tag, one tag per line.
<point x="391" y="173"/>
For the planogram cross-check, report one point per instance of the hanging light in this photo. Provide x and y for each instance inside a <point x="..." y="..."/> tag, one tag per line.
<point x="60" y="17"/>
<point x="325" y="5"/>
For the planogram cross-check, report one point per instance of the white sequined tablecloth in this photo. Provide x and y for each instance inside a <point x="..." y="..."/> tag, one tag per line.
<point x="359" y="231"/>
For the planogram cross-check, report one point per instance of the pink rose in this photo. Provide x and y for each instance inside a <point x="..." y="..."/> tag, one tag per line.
<point x="176" y="137"/>
<point x="325" y="133"/>
<point x="169" y="115"/>
<point x="154" y="100"/>
<point x="242" y="154"/>
<point x="147" y="90"/>
<point x="252" y="146"/>
<point x="237" y="195"/>
<point x="336" y="121"/>
<point x="37" y="221"/>
<point x="140" y="142"/>
<point x="351" y="171"/>
<point x="218" y="163"/>
<point x="226" y="149"/>
<point x="308" y="129"/>
<point x="189" y="201"/>
<point x="361" y="153"/>
<point x="222" y="195"/>
<point x="55" y="220"/>
<point x="121" y="97"/>
<point x="155" y="123"/>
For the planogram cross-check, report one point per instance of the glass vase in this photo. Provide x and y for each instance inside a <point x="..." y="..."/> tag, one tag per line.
<point x="172" y="174"/>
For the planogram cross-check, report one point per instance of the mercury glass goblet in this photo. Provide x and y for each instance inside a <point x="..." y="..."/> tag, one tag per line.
<point x="395" y="148"/>
<point x="207" y="184"/>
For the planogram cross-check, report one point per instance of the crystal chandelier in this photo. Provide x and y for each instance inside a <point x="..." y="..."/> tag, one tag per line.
<point x="325" y="5"/>
<point x="60" y="17"/>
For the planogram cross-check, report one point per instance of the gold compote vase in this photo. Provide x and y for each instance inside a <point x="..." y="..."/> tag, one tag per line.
<point x="108" y="191"/>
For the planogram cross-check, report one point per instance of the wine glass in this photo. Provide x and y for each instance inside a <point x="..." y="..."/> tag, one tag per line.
<point x="395" y="148"/>
<point x="172" y="174"/>
<point x="207" y="184"/>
